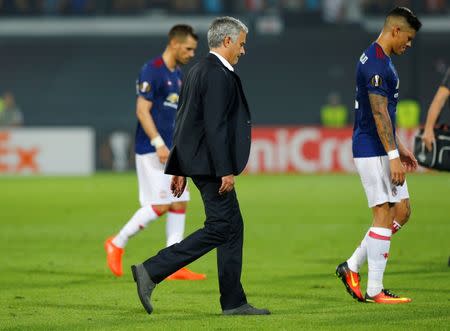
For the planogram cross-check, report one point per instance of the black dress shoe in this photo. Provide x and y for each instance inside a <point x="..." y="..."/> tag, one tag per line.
<point x="246" y="309"/>
<point x="145" y="286"/>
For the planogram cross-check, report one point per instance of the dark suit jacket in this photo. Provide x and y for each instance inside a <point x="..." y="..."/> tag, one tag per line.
<point x="213" y="127"/>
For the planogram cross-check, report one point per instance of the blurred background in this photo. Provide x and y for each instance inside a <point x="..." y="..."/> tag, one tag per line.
<point x="68" y="70"/>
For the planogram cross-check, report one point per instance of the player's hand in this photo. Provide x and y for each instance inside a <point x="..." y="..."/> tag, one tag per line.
<point x="177" y="185"/>
<point x="397" y="172"/>
<point x="163" y="154"/>
<point x="428" y="138"/>
<point x="227" y="184"/>
<point x="408" y="160"/>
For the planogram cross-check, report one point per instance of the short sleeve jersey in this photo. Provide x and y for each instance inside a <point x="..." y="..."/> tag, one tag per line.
<point x="156" y="83"/>
<point x="375" y="74"/>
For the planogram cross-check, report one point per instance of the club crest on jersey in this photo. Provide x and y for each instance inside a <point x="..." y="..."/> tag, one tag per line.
<point x="145" y="87"/>
<point x="376" y="81"/>
<point x="394" y="191"/>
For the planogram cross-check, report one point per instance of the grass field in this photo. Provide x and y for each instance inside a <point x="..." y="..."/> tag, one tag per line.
<point x="53" y="274"/>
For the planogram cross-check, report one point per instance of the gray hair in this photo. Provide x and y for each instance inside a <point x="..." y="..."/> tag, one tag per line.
<point x="223" y="27"/>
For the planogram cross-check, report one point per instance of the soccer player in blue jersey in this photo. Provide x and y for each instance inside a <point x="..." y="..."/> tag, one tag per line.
<point x="380" y="157"/>
<point x="157" y="88"/>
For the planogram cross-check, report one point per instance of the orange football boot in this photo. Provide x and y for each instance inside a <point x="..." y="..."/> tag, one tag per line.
<point x="388" y="298"/>
<point x="186" y="274"/>
<point x="351" y="281"/>
<point x="114" y="257"/>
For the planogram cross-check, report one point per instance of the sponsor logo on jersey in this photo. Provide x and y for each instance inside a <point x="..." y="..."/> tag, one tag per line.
<point x="172" y="100"/>
<point x="376" y="81"/>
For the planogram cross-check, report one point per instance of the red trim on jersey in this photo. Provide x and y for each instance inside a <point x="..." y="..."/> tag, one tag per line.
<point x="379" y="52"/>
<point x="157" y="212"/>
<point x="378" y="236"/>
<point x="159" y="62"/>
<point x="177" y="211"/>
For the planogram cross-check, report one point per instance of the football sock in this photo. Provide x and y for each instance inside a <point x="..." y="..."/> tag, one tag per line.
<point x="359" y="256"/>
<point x="175" y="226"/>
<point x="378" y="244"/>
<point x="138" y="222"/>
<point x="395" y="227"/>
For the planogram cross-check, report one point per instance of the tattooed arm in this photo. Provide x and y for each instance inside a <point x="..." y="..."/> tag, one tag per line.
<point x="379" y="103"/>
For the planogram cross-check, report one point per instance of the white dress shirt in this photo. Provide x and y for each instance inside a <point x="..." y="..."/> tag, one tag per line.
<point x="222" y="59"/>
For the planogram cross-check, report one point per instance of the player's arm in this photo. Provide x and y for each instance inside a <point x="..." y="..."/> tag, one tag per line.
<point x="436" y="106"/>
<point x="406" y="156"/>
<point x="379" y="105"/>
<point x="143" y="109"/>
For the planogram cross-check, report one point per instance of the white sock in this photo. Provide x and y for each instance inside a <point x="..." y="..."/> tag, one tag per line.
<point x="139" y="221"/>
<point x="395" y="227"/>
<point x="378" y="244"/>
<point x="359" y="256"/>
<point x="175" y="226"/>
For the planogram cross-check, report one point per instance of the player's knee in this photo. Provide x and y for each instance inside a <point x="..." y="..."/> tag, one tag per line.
<point x="407" y="214"/>
<point x="178" y="206"/>
<point x="404" y="213"/>
<point x="160" y="209"/>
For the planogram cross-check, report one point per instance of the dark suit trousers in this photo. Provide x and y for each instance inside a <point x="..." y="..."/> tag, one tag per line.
<point x="224" y="230"/>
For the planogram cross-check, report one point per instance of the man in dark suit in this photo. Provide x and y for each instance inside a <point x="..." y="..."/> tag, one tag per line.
<point x="211" y="146"/>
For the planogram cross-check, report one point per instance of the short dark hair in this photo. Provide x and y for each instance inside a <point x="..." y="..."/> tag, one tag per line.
<point x="408" y="15"/>
<point x="182" y="31"/>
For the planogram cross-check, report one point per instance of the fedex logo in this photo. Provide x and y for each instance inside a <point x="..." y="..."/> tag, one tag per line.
<point x="15" y="159"/>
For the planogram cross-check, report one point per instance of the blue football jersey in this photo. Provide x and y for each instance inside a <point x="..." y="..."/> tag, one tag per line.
<point x="375" y="74"/>
<point x="161" y="86"/>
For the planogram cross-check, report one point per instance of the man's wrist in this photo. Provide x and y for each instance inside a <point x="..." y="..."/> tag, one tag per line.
<point x="393" y="154"/>
<point x="157" y="142"/>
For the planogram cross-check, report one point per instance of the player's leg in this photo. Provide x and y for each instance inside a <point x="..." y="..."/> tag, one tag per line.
<point x="154" y="203"/>
<point x="374" y="174"/>
<point x="402" y="214"/>
<point x="348" y="271"/>
<point x="139" y="221"/>
<point x="378" y="244"/>
<point x="379" y="238"/>
<point x="175" y="224"/>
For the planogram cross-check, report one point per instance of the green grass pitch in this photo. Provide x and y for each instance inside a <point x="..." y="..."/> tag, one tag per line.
<point x="53" y="274"/>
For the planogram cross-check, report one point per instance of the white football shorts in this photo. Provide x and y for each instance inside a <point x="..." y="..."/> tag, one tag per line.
<point x="154" y="184"/>
<point x="376" y="180"/>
